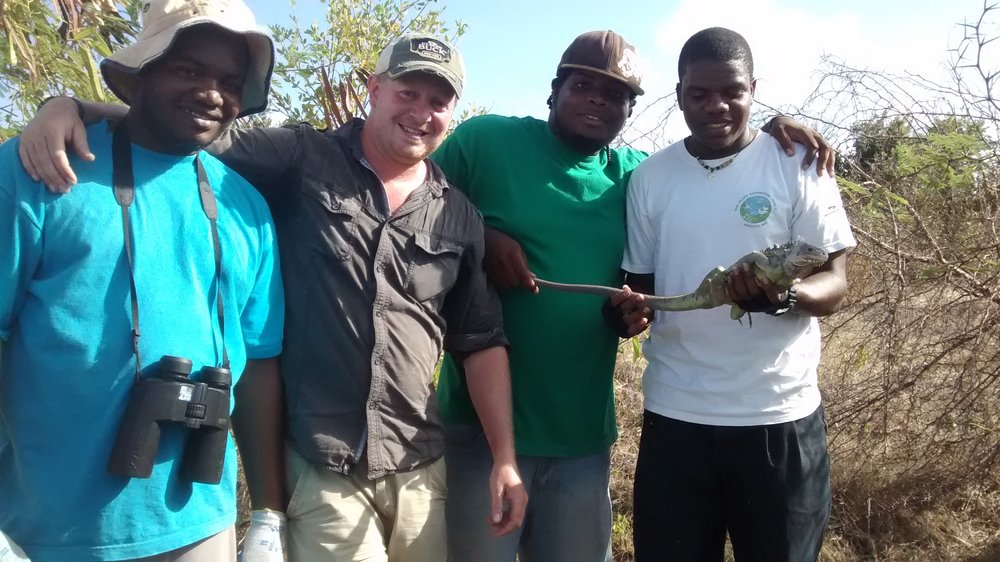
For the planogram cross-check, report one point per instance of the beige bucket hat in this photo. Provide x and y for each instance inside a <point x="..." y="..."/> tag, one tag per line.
<point x="161" y="22"/>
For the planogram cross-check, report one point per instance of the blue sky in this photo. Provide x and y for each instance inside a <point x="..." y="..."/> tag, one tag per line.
<point x="512" y="47"/>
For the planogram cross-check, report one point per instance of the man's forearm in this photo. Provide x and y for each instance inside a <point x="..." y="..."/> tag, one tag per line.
<point x="95" y="111"/>
<point x="258" y="426"/>
<point x="488" y="375"/>
<point x="89" y="111"/>
<point x="823" y="292"/>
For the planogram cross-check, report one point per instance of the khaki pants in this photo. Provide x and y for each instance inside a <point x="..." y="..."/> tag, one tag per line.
<point x="217" y="548"/>
<point x="396" y="518"/>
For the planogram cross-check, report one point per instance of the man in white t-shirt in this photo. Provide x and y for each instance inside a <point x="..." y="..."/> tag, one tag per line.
<point x="734" y="436"/>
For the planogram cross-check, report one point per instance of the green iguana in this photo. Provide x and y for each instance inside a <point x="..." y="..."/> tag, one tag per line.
<point x="782" y="266"/>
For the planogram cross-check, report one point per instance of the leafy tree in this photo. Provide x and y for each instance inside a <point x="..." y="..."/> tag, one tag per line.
<point x="876" y="142"/>
<point x="51" y="49"/>
<point x="322" y="70"/>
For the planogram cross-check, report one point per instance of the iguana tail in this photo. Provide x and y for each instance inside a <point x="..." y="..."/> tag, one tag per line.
<point x="707" y="295"/>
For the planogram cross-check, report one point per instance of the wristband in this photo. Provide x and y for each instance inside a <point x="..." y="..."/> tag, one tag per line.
<point x="79" y="104"/>
<point x="759" y="303"/>
<point x="787" y="305"/>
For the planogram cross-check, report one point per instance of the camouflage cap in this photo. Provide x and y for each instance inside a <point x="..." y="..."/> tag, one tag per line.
<point x="417" y="52"/>
<point x="607" y="53"/>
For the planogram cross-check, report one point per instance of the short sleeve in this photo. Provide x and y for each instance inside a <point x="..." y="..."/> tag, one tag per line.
<point x="21" y="215"/>
<point x="818" y="216"/>
<point x="641" y="235"/>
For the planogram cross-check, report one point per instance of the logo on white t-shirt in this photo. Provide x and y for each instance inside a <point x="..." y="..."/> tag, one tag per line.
<point x="755" y="208"/>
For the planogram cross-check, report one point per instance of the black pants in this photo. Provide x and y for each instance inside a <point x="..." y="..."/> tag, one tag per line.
<point x="768" y="486"/>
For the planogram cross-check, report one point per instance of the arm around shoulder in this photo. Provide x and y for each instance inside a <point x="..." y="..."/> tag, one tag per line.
<point x="267" y="157"/>
<point x="788" y="131"/>
<point x="60" y="124"/>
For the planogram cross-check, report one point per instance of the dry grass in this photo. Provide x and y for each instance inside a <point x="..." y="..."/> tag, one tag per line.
<point x="884" y="508"/>
<point x="878" y="515"/>
<point x="628" y="396"/>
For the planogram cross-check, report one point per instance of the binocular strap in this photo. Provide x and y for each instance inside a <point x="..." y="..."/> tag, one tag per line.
<point x="124" y="188"/>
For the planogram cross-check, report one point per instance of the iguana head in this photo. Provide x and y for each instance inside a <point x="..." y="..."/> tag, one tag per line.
<point x="796" y="259"/>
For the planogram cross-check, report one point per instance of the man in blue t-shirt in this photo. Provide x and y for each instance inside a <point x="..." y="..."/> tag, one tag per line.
<point x="160" y="251"/>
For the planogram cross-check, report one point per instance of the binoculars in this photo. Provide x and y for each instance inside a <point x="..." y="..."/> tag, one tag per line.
<point x="170" y="396"/>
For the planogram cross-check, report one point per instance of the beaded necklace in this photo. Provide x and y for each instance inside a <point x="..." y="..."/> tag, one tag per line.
<point x="712" y="169"/>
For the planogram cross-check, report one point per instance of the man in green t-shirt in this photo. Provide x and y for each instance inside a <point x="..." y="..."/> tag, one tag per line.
<point x="552" y="195"/>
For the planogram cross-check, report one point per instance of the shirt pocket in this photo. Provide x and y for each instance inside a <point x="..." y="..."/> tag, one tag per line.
<point x="434" y="267"/>
<point x="335" y="224"/>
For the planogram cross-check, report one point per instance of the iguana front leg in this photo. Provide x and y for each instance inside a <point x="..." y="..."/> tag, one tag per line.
<point x="755" y="260"/>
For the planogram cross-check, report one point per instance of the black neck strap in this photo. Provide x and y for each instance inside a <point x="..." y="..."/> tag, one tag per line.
<point x="124" y="186"/>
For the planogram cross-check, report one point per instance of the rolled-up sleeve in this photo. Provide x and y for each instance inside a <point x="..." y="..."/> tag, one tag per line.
<point x="472" y="308"/>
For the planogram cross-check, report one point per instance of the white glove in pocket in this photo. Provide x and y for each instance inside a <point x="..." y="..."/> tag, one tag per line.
<point x="265" y="539"/>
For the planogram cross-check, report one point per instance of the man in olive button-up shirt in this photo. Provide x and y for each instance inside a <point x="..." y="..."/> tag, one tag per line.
<point x="383" y="266"/>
